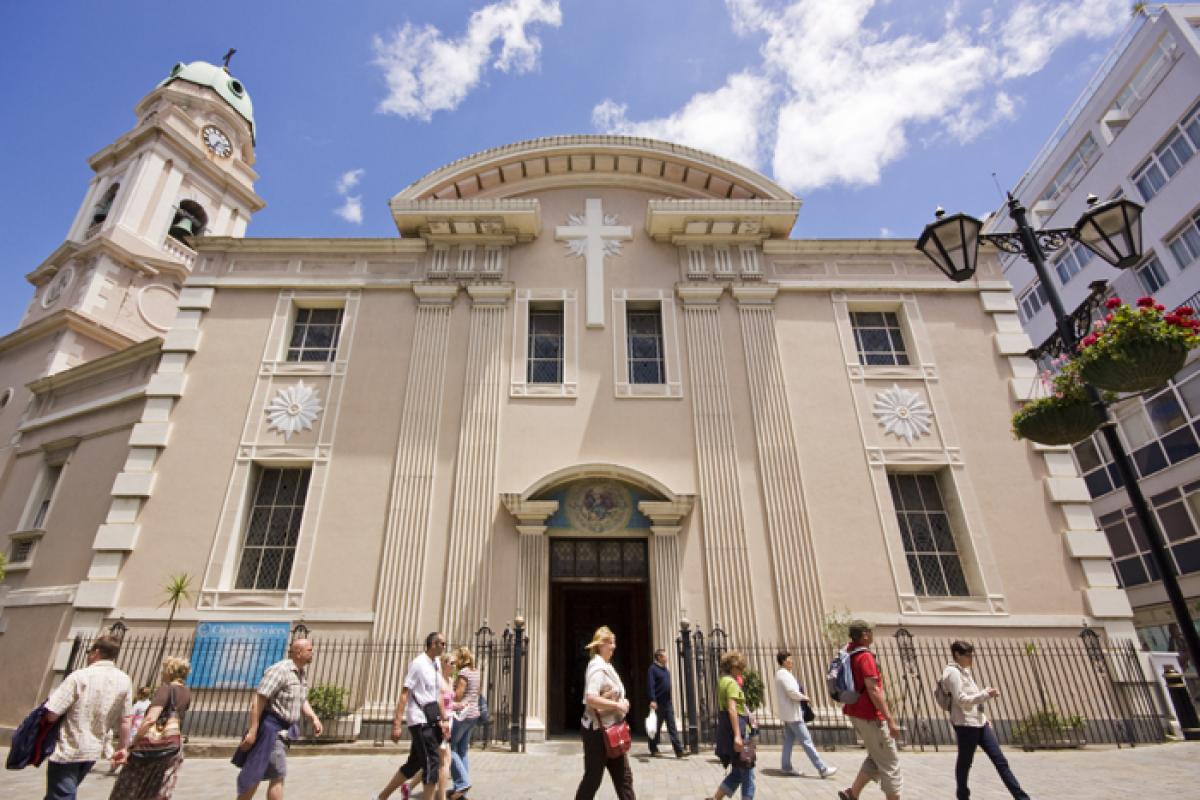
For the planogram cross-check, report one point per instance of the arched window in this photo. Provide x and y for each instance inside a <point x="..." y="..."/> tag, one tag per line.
<point x="190" y="220"/>
<point x="100" y="212"/>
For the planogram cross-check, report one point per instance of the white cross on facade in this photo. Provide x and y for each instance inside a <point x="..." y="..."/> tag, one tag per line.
<point x="594" y="236"/>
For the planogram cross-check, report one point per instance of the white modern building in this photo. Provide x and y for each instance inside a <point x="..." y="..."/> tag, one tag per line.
<point x="1134" y="132"/>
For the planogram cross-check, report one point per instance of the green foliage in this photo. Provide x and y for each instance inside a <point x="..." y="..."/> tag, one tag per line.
<point x="328" y="701"/>
<point x="177" y="589"/>
<point x="1147" y="322"/>
<point x="3" y="565"/>
<point x="835" y="627"/>
<point x="1046" y="727"/>
<point x="753" y="689"/>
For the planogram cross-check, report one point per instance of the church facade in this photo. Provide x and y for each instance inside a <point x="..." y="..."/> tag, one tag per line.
<point x="592" y="381"/>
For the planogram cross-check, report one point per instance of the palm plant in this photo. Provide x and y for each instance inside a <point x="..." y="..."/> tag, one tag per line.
<point x="177" y="589"/>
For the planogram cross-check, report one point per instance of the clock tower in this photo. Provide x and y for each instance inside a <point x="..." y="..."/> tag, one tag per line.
<point x="186" y="169"/>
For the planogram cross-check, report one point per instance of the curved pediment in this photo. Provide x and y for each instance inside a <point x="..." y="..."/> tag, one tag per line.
<point x="594" y="160"/>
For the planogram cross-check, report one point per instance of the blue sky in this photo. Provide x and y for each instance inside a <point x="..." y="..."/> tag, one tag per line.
<point x="872" y="111"/>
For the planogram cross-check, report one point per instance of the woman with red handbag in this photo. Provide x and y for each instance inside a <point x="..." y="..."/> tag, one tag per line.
<point x="606" y="737"/>
<point x="735" y="737"/>
<point x="155" y="754"/>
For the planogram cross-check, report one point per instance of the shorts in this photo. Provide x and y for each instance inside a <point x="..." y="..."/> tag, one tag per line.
<point x="277" y="763"/>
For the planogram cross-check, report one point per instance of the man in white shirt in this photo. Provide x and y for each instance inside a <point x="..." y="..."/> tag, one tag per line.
<point x="92" y="702"/>
<point x="789" y="698"/>
<point x="422" y="687"/>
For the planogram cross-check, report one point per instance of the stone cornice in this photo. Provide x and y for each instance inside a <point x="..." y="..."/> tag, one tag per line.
<point x="667" y="515"/>
<point x="502" y="222"/>
<point x="704" y="221"/>
<point x="843" y="247"/>
<point x="755" y="295"/>
<point x="91" y="369"/>
<point x="490" y="293"/>
<point x="301" y="246"/>
<point x="699" y="294"/>
<point x="590" y="160"/>
<point x="120" y="245"/>
<point x="529" y="512"/>
<point x="65" y="319"/>
<point x="435" y="294"/>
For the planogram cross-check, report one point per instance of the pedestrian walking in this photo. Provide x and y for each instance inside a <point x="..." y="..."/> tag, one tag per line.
<point x="92" y="703"/>
<point x="419" y="708"/>
<point x="153" y="776"/>
<point x="871" y="718"/>
<point x="604" y="705"/>
<point x="790" y="702"/>
<point x="659" y="681"/>
<point x="279" y="702"/>
<point x="735" y="747"/>
<point x="466" y="716"/>
<point x="971" y="725"/>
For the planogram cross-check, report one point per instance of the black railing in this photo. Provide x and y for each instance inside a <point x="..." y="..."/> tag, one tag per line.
<point x="356" y="682"/>
<point x="1055" y="692"/>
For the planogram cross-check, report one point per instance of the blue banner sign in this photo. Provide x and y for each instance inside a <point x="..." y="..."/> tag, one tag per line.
<point x="233" y="655"/>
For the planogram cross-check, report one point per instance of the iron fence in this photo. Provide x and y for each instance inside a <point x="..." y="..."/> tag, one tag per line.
<point x="356" y="682"/>
<point x="1055" y="692"/>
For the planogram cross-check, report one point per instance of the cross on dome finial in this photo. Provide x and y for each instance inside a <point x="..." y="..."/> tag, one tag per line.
<point x="227" y="57"/>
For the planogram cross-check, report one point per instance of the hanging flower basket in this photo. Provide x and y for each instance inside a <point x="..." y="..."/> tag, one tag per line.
<point x="1136" y="366"/>
<point x="1137" y="350"/>
<point x="1056" y="420"/>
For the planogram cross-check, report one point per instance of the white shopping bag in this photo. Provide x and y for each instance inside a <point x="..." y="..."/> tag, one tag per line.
<point x="651" y="723"/>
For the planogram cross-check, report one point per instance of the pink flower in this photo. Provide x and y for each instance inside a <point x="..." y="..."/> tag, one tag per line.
<point x="1108" y="317"/>
<point x="1099" y="325"/>
<point x="1112" y="302"/>
<point x="1059" y="395"/>
<point x="1145" y="302"/>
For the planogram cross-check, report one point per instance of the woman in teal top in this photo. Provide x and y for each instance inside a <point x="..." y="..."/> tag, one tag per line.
<point x="732" y="724"/>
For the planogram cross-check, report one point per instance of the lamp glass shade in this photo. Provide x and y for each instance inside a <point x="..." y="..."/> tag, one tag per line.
<point x="1113" y="231"/>
<point x="952" y="244"/>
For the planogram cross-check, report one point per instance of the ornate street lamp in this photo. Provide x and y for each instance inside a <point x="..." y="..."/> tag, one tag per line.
<point x="1113" y="231"/>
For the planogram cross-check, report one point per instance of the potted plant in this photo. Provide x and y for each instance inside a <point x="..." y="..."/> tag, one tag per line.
<point x="1064" y="415"/>
<point x="329" y="704"/>
<point x="1137" y="349"/>
<point x="1049" y="730"/>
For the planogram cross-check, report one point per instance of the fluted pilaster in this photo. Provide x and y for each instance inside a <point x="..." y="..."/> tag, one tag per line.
<point x="468" y="569"/>
<point x="726" y="558"/>
<point x="533" y="592"/>
<point x="798" y="588"/>
<point x="666" y="602"/>
<point x="398" y="598"/>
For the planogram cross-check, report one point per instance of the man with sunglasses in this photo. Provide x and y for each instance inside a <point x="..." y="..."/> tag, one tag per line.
<point x="419" y="710"/>
<point x="92" y="702"/>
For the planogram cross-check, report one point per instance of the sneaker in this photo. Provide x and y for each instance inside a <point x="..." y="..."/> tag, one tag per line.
<point x="793" y="772"/>
<point x="829" y="771"/>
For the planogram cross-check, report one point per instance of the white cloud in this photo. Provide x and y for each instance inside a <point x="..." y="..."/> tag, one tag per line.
<point x="426" y="72"/>
<point x="351" y="207"/>
<point x="351" y="210"/>
<point x="349" y="180"/>
<point x="727" y="122"/>
<point x="836" y="98"/>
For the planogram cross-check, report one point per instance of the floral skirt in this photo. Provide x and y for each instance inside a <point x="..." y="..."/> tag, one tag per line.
<point x="147" y="780"/>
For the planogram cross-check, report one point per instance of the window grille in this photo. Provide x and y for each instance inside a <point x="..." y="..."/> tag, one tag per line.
<point x="878" y="338"/>
<point x="929" y="546"/>
<point x="273" y="528"/>
<point x="315" y="334"/>
<point x="545" y="362"/>
<point x="644" y="335"/>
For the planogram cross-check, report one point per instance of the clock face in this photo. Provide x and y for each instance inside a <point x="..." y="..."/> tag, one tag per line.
<point x="216" y="141"/>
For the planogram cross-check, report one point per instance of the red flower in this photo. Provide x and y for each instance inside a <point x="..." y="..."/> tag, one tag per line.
<point x="1089" y="340"/>
<point x="1185" y="311"/>
<point x="1108" y="317"/>
<point x="1173" y="319"/>
<point x="1159" y="307"/>
<point x="1112" y="302"/>
<point x="1145" y="302"/>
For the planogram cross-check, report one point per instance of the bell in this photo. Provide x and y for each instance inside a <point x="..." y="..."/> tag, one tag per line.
<point x="183" y="228"/>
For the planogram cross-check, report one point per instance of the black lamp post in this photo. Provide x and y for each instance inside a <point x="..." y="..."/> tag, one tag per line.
<point x="1113" y="231"/>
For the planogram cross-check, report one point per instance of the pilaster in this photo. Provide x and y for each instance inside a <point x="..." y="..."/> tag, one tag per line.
<point x="533" y="592"/>
<point x="666" y="610"/>
<point x="468" y="570"/>
<point x="726" y="556"/>
<point x="793" y="555"/>
<point x="398" y="599"/>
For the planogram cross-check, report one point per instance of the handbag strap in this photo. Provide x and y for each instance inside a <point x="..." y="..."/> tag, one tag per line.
<point x="168" y="709"/>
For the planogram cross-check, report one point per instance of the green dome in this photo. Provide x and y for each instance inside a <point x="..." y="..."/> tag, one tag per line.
<point x="232" y="90"/>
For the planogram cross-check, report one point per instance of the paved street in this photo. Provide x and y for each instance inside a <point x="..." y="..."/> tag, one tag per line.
<point x="552" y="770"/>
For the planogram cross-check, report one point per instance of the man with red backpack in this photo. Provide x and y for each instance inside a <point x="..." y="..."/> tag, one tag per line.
<point x="867" y="708"/>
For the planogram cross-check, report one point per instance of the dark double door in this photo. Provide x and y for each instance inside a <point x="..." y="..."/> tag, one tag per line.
<point x="576" y="610"/>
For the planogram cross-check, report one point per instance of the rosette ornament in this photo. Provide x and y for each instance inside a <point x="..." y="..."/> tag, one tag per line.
<point x="294" y="409"/>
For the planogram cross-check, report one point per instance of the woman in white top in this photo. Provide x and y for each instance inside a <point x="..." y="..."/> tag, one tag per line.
<point x="971" y="726"/>
<point x="466" y="715"/>
<point x="604" y="704"/>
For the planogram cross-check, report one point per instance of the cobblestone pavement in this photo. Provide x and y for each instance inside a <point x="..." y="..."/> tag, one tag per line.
<point x="552" y="770"/>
